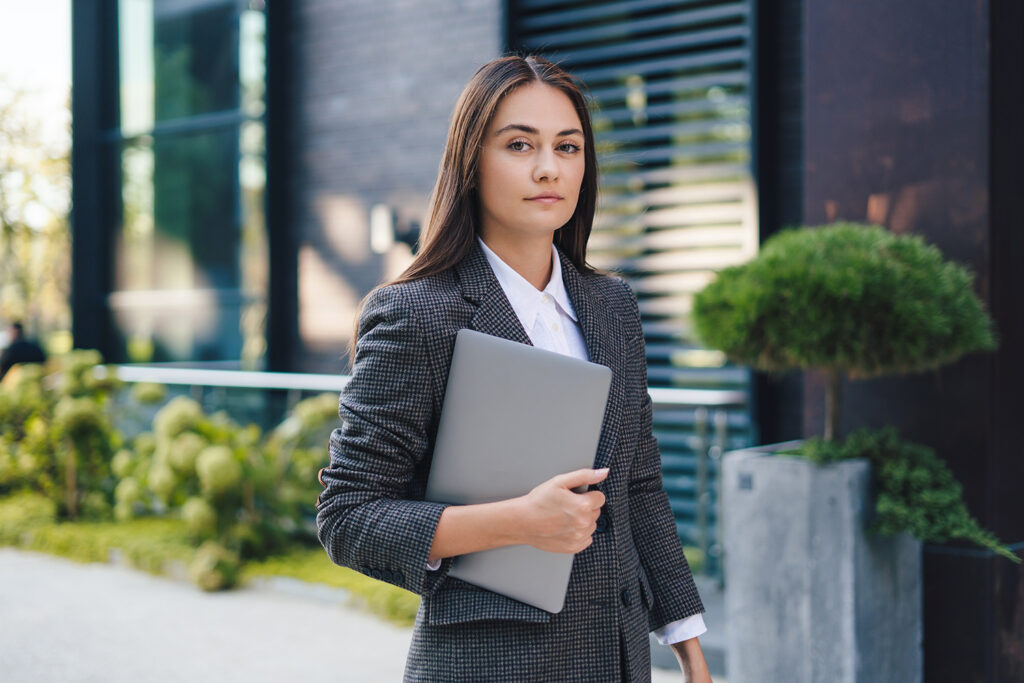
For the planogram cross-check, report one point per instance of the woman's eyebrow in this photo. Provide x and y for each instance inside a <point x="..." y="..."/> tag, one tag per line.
<point x="534" y="131"/>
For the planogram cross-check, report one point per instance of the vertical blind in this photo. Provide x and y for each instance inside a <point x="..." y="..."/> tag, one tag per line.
<point x="671" y="88"/>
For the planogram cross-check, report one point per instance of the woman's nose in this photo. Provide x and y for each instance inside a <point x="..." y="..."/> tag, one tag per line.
<point x="546" y="168"/>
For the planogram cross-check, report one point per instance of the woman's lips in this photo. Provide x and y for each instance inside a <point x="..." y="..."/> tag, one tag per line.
<point x="544" y="199"/>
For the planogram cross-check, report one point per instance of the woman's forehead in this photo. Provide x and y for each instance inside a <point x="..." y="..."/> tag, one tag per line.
<point x="539" y="106"/>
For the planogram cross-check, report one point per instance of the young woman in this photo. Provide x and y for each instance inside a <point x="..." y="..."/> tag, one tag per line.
<point x="504" y="252"/>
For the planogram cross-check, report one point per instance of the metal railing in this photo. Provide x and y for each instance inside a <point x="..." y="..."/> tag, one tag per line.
<point x="710" y="439"/>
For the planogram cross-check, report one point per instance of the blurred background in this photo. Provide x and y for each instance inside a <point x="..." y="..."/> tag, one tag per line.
<point x="216" y="184"/>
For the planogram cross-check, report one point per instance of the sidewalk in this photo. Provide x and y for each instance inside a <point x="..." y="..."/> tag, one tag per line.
<point x="98" y="623"/>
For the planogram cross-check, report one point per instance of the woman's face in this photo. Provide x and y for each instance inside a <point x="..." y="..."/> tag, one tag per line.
<point x="531" y="164"/>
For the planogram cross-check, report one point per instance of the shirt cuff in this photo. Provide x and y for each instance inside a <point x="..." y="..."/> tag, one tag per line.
<point x="681" y="630"/>
<point x="433" y="566"/>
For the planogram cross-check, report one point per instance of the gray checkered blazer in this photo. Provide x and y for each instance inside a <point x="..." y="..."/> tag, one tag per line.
<point x="371" y="515"/>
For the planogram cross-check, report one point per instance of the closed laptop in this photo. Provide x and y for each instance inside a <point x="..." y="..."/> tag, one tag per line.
<point x="513" y="417"/>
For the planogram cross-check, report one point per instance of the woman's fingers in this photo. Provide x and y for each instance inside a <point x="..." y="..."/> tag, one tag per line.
<point x="561" y="522"/>
<point x="584" y="477"/>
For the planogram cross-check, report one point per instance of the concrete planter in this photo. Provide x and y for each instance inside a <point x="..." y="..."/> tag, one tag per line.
<point x="810" y="596"/>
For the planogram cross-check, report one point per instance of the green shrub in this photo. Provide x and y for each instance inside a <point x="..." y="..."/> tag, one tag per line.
<point x="219" y="471"/>
<point x="219" y="481"/>
<point x="858" y="301"/>
<point x="148" y="392"/>
<point x="214" y="567"/>
<point x="22" y="512"/>
<point x="179" y="415"/>
<point x="57" y="437"/>
<point x="853" y="300"/>
<point x="916" y="493"/>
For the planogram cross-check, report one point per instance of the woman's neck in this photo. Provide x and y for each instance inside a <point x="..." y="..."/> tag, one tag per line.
<point x="531" y="258"/>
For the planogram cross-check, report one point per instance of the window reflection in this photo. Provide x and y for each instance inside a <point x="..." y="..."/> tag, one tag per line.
<point x="191" y="263"/>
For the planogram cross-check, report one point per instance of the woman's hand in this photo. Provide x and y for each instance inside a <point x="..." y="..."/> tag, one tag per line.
<point x="556" y="518"/>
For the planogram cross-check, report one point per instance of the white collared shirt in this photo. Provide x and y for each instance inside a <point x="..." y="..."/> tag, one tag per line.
<point x="548" y="317"/>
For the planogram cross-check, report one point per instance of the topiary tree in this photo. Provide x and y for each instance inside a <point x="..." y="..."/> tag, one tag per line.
<point x="858" y="301"/>
<point x="846" y="299"/>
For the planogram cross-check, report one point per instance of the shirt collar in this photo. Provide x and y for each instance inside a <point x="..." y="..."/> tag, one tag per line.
<point x="526" y="299"/>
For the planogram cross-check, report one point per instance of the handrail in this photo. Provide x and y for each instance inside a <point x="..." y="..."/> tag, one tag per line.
<point x="710" y="426"/>
<point x="661" y="397"/>
<point x="233" y="379"/>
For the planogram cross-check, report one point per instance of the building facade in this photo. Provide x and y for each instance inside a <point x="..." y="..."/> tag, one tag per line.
<point x="241" y="169"/>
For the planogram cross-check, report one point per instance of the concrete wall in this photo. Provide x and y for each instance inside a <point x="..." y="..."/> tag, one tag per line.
<point x="374" y="85"/>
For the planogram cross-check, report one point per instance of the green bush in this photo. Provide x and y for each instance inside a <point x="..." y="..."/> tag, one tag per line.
<point x="56" y="435"/>
<point x="916" y="492"/>
<point x="240" y="494"/>
<point x="852" y="300"/>
<point x="250" y="494"/>
<point x="22" y="512"/>
<point x="858" y="301"/>
<point x="214" y="567"/>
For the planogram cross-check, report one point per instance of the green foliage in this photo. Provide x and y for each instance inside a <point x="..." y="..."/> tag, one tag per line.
<point x="295" y="451"/>
<point x="35" y="191"/>
<point x="219" y="471"/>
<point x="251" y="495"/>
<point x="847" y="296"/>
<point x="226" y="487"/>
<point x="214" y="567"/>
<point x="200" y="517"/>
<point x="860" y="301"/>
<point x="916" y="492"/>
<point x="29" y="520"/>
<point x="181" y="414"/>
<point x="56" y="435"/>
<point x="22" y="512"/>
<point x="148" y="392"/>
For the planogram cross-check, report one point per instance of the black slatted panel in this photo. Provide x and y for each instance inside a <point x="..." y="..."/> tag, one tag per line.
<point x="671" y="83"/>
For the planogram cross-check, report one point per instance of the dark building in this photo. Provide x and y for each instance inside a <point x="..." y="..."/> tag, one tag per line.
<point x="240" y="168"/>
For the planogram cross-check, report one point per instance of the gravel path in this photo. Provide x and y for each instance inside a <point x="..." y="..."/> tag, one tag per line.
<point x="96" y="623"/>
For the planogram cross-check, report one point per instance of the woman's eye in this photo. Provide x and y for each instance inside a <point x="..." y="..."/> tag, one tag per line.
<point x="521" y="145"/>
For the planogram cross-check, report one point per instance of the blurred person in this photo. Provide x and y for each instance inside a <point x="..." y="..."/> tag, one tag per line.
<point x="504" y="253"/>
<point x="20" y="350"/>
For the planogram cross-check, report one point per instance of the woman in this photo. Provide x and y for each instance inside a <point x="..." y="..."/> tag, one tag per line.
<point x="504" y="253"/>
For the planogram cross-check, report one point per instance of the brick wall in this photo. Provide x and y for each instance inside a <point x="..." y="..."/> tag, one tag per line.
<point x="374" y="85"/>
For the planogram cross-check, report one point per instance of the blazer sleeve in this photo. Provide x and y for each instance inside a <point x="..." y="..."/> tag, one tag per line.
<point x="368" y="517"/>
<point x="654" y="529"/>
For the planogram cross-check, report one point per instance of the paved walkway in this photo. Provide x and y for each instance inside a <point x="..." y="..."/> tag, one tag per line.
<point x="85" y="623"/>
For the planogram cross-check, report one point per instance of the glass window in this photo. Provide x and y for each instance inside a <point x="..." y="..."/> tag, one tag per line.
<point x="190" y="278"/>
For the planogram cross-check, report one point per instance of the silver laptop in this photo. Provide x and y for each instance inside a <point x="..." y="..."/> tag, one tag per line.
<point x="514" y="416"/>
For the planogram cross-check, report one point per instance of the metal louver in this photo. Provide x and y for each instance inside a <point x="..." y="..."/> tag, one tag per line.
<point x="671" y="83"/>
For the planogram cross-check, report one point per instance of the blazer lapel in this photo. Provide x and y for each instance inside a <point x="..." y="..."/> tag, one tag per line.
<point x="605" y="342"/>
<point x="494" y="314"/>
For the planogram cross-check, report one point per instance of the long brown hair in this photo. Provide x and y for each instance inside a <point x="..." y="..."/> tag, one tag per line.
<point x="453" y="217"/>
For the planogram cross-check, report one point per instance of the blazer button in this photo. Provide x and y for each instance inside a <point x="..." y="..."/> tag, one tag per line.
<point x="375" y="573"/>
<point x="385" y="575"/>
<point x="397" y="576"/>
<point x="625" y="597"/>
<point x="602" y="522"/>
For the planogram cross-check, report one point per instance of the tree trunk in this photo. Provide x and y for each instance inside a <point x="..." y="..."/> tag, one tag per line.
<point x="71" y="479"/>
<point x="833" y="402"/>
